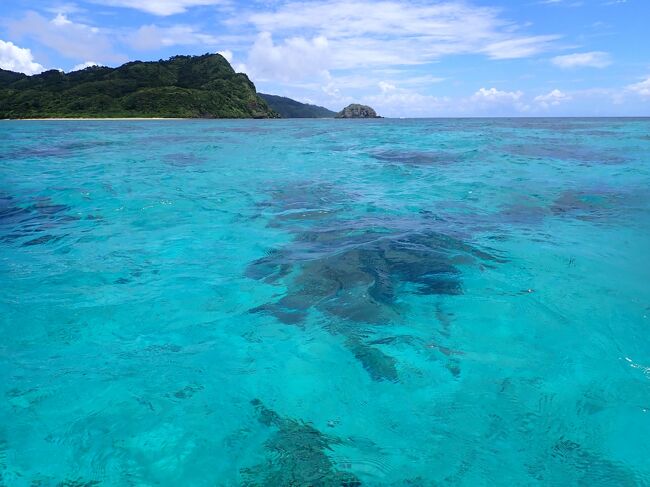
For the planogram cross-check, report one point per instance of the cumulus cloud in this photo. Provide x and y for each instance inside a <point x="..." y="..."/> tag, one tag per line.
<point x="641" y="88"/>
<point x="87" y="64"/>
<point x="386" y="87"/>
<point x="493" y="95"/>
<point x="294" y="59"/>
<point x="372" y="34"/>
<point x="227" y="55"/>
<point x="553" y="98"/>
<point x="60" y="20"/>
<point x="160" y="7"/>
<point x="494" y="101"/>
<point x="19" y="59"/>
<point x="594" y="59"/>
<point x="71" y="39"/>
<point x="397" y="102"/>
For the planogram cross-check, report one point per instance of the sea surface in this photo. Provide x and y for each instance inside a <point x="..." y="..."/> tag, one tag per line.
<point x="325" y="303"/>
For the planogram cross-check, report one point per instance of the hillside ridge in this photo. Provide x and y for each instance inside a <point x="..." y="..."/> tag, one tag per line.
<point x="289" y="108"/>
<point x="179" y="87"/>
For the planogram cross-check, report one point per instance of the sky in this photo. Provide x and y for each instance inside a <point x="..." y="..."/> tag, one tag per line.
<point x="409" y="58"/>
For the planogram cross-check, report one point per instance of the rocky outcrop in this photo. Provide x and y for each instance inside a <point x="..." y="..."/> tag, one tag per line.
<point x="357" y="111"/>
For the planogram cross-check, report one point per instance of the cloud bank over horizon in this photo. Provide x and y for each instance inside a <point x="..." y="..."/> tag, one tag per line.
<point x="413" y="58"/>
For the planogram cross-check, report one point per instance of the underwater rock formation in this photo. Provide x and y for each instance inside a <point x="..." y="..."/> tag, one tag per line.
<point x="379" y="365"/>
<point x="183" y="159"/>
<point x="415" y="158"/>
<point x="355" y="275"/>
<point x="588" y="205"/>
<point x="353" y="271"/>
<point x="296" y="455"/>
<point x="556" y="150"/>
<point x="593" y="468"/>
<point x="33" y="221"/>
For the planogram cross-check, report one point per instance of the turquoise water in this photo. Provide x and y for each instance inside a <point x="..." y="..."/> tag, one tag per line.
<point x="391" y="302"/>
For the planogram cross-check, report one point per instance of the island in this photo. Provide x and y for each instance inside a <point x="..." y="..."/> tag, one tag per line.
<point x="180" y="87"/>
<point x="357" y="111"/>
<point x="288" y="108"/>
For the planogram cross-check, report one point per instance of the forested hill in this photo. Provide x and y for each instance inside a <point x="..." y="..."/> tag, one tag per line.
<point x="289" y="108"/>
<point x="182" y="86"/>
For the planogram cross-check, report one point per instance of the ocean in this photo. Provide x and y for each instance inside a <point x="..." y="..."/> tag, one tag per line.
<point x="325" y="302"/>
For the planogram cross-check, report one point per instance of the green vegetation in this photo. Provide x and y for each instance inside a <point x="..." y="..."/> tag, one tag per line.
<point x="289" y="108"/>
<point x="183" y="86"/>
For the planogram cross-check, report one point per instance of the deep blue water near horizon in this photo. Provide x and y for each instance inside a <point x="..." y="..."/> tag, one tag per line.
<point x="325" y="302"/>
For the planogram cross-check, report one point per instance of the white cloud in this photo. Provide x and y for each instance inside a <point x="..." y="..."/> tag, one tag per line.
<point x="71" y="39"/>
<point x="562" y="2"/>
<point x="294" y="59"/>
<point x="64" y="8"/>
<point x="19" y="59"/>
<point x="61" y="20"/>
<point x="641" y="88"/>
<point x="151" y="37"/>
<point x="386" y="87"/>
<point x="494" y="101"/>
<point x="314" y="40"/>
<point x="493" y="95"/>
<point x="372" y="34"/>
<point x="395" y="103"/>
<point x="227" y="55"/>
<point x="594" y="59"/>
<point x="519" y="48"/>
<point x="395" y="100"/>
<point x="422" y="80"/>
<point x="553" y="98"/>
<point x="160" y="7"/>
<point x="85" y="65"/>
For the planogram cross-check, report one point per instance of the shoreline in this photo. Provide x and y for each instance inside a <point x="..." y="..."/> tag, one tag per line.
<point x="120" y="119"/>
<point x="126" y="119"/>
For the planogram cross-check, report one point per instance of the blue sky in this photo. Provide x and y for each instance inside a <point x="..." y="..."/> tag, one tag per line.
<point x="405" y="58"/>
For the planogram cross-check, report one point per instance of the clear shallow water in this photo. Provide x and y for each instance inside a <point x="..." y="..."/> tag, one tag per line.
<point x="404" y="303"/>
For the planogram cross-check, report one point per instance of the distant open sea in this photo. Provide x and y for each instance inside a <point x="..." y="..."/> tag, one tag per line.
<point x="325" y="303"/>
